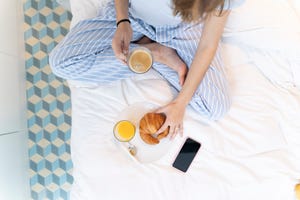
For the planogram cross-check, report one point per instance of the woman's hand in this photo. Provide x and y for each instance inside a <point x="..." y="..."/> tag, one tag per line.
<point x="121" y="41"/>
<point x="174" y="112"/>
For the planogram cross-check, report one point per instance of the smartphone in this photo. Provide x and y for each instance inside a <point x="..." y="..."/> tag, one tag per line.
<point x="186" y="154"/>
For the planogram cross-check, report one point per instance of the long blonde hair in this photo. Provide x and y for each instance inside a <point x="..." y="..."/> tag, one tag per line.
<point x="193" y="10"/>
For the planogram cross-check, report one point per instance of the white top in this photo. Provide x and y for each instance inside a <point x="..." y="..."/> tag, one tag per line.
<point x="160" y="12"/>
<point x="154" y="12"/>
<point x="231" y="4"/>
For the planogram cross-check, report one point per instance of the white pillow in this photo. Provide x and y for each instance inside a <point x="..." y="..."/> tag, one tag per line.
<point x="84" y="9"/>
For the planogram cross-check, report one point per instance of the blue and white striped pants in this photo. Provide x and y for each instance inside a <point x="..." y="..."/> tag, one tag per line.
<point x="86" y="54"/>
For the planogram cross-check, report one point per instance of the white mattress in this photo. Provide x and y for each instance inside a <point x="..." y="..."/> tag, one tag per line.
<point x="253" y="153"/>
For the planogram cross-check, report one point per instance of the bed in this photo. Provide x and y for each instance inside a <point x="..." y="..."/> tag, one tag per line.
<point x="252" y="153"/>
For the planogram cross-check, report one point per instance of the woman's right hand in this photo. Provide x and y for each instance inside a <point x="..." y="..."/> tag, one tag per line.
<point x="121" y="41"/>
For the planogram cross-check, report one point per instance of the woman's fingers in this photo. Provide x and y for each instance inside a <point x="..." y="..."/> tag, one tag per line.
<point x="117" y="48"/>
<point x="162" y="128"/>
<point x="181" y="130"/>
<point x="122" y="57"/>
<point x="121" y="41"/>
<point x="175" y="125"/>
<point x="172" y="132"/>
<point x="125" y="48"/>
<point x="176" y="130"/>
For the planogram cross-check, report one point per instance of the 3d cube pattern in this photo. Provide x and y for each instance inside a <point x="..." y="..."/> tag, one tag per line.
<point x="48" y="102"/>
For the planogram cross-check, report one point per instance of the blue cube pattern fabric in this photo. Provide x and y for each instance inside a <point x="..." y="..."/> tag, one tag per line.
<point x="48" y="102"/>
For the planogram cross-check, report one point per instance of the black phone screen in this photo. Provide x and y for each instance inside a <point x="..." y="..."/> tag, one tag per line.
<point x="186" y="154"/>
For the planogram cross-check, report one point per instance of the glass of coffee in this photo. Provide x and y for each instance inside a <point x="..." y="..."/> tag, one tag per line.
<point x="140" y="60"/>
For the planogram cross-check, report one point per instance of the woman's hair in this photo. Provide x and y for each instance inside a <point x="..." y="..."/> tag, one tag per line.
<point x="193" y="10"/>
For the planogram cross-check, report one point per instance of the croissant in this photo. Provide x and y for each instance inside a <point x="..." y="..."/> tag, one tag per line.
<point x="149" y="124"/>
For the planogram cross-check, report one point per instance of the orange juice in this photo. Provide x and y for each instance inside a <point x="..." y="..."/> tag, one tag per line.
<point x="297" y="190"/>
<point x="124" y="131"/>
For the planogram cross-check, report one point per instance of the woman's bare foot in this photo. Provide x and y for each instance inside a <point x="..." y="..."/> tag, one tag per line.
<point x="169" y="57"/>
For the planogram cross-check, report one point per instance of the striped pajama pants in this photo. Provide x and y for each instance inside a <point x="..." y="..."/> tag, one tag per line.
<point x="86" y="54"/>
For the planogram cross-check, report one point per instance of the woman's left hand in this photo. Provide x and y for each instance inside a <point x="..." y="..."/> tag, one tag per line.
<point x="174" y="112"/>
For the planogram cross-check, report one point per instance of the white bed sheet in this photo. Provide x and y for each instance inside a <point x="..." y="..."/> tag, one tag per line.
<point x="253" y="153"/>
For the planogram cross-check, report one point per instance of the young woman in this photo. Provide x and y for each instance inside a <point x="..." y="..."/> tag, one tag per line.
<point x="183" y="36"/>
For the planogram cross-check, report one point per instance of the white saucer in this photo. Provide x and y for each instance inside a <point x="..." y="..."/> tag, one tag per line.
<point x="145" y="152"/>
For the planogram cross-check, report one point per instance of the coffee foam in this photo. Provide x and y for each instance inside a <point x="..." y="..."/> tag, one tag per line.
<point x="140" y="61"/>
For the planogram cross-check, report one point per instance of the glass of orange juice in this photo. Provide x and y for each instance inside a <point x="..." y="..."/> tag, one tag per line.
<point x="124" y="131"/>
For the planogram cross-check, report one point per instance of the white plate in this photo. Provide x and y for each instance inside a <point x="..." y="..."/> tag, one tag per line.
<point x="145" y="152"/>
